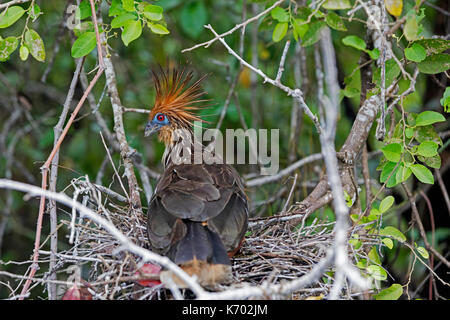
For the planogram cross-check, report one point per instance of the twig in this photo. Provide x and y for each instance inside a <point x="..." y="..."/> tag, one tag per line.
<point x="421" y="228"/>
<point x="282" y="173"/>
<point x="11" y="3"/>
<point x="46" y="166"/>
<point x="236" y="27"/>
<point x="126" y="244"/>
<point x="290" y="193"/>
<point x="430" y="211"/>
<point x="295" y="93"/>
<point x="437" y="173"/>
<point x="282" y="60"/>
<point x="54" y="175"/>
<point x="126" y="152"/>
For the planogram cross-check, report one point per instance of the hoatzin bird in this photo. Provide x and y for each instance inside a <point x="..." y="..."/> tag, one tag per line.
<point x="198" y="214"/>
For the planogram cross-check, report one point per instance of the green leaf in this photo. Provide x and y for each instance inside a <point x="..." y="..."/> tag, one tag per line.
<point x="280" y="31"/>
<point x="392" y="71"/>
<point x="116" y="8"/>
<point x="350" y="92"/>
<point x="11" y="15"/>
<point x="392" y="151"/>
<point x="445" y="100"/>
<point x="355" y="42"/>
<point x="394" y="292"/>
<point x="84" y="45"/>
<point x="423" y="252"/>
<point x="23" y="53"/>
<point x="435" y="64"/>
<point x="427" y="133"/>
<point x="409" y="132"/>
<point x="411" y="29"/>
<point x="34" y="12"/>
<point x="158" y="28"/>
<point x="403" y="173"/>
<point x="429" y="117"/>
<point x="393" y="232"/>
<point x="388" y="171"/>
<point x="432" y="162"/>
<point x="362" y="264"/>
<point x="415" y="53"/>
<point x="374" y="54"/>
<point x="313" y="33"/>
<point x="152" y="12"/>
<point x="388" y="242"/>
<point x="7" y="46"/>
<point x="373" y="255"/>
<point x="35" y="45"/>
<point x="427" y="149"/>
<point x="422" y="173"/>
<point x="334" y="21"/>
<point x="279" y="14"/>
<point x="386" y="203"/>
<point x="376" y="272"/>
<point x="120" y="20"/>
<point x="336" y="4"/>
<point x="85" y="9"/>
<point x="300" y="27"/>
<point x="193" y="17"/>
<point x="128" y="5"/>
<point x="434" y="46"/>
<point x="131" y="31"/>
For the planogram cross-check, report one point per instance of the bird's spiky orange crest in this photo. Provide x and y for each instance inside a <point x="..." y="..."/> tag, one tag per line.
<point x="176" y="97"/>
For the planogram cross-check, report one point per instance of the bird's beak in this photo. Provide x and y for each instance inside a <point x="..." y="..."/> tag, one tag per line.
<point x="151" y="128"/>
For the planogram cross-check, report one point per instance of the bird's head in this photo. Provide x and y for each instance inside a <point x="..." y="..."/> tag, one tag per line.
<point x="175" y="100"/>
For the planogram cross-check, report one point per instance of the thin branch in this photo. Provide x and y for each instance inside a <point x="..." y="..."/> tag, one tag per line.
<point x="421" y="228"/>
<point x="11" y="3"/>
<point x="126" y="244"/>
<point x="236" y="27"/>
<point x="295" y="93"/>
<point x="46" y="166"/>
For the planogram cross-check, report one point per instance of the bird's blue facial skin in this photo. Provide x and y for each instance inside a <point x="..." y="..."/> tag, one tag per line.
<point x="159" y="120"/>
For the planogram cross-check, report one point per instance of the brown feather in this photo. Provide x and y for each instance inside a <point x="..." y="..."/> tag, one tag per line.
<point x="176" y="97"/>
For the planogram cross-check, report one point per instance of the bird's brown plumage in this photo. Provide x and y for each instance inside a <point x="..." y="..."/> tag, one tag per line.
<point x="198" y="214"/>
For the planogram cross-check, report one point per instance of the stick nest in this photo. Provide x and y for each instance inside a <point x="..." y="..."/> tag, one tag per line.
<point x="272" y="252"/>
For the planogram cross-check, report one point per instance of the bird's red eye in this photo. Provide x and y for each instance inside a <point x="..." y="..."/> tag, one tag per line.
<point x="160" y="117"/>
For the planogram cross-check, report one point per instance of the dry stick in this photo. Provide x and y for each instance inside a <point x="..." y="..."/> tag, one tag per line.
<point x="443" y="189"/>
<point x="10" y="3"/>
<point x="422" y="232"/>
<point x="126" y="244"/>
<point x="236" y="27"/>
<point x="295" y="93"/>
<point x="46" y="166"/>
<point x="114" y="167"/>
<point x="295" y="124"/>
<point x="54" y="176"/>
<point x="430" y="210"/>
<point x="282" y="173"/>
<point x="343" y="267"/>
<point x="236" y="78"/>
<point x="126" y="152"/>
<point x="366" y="175"/>
<point x="254" y="106"/>
<point x="282" y="60"/>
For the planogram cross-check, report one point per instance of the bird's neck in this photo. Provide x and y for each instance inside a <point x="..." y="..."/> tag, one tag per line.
<point x="185" y="148"/>
<point x="180" y="147"/>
